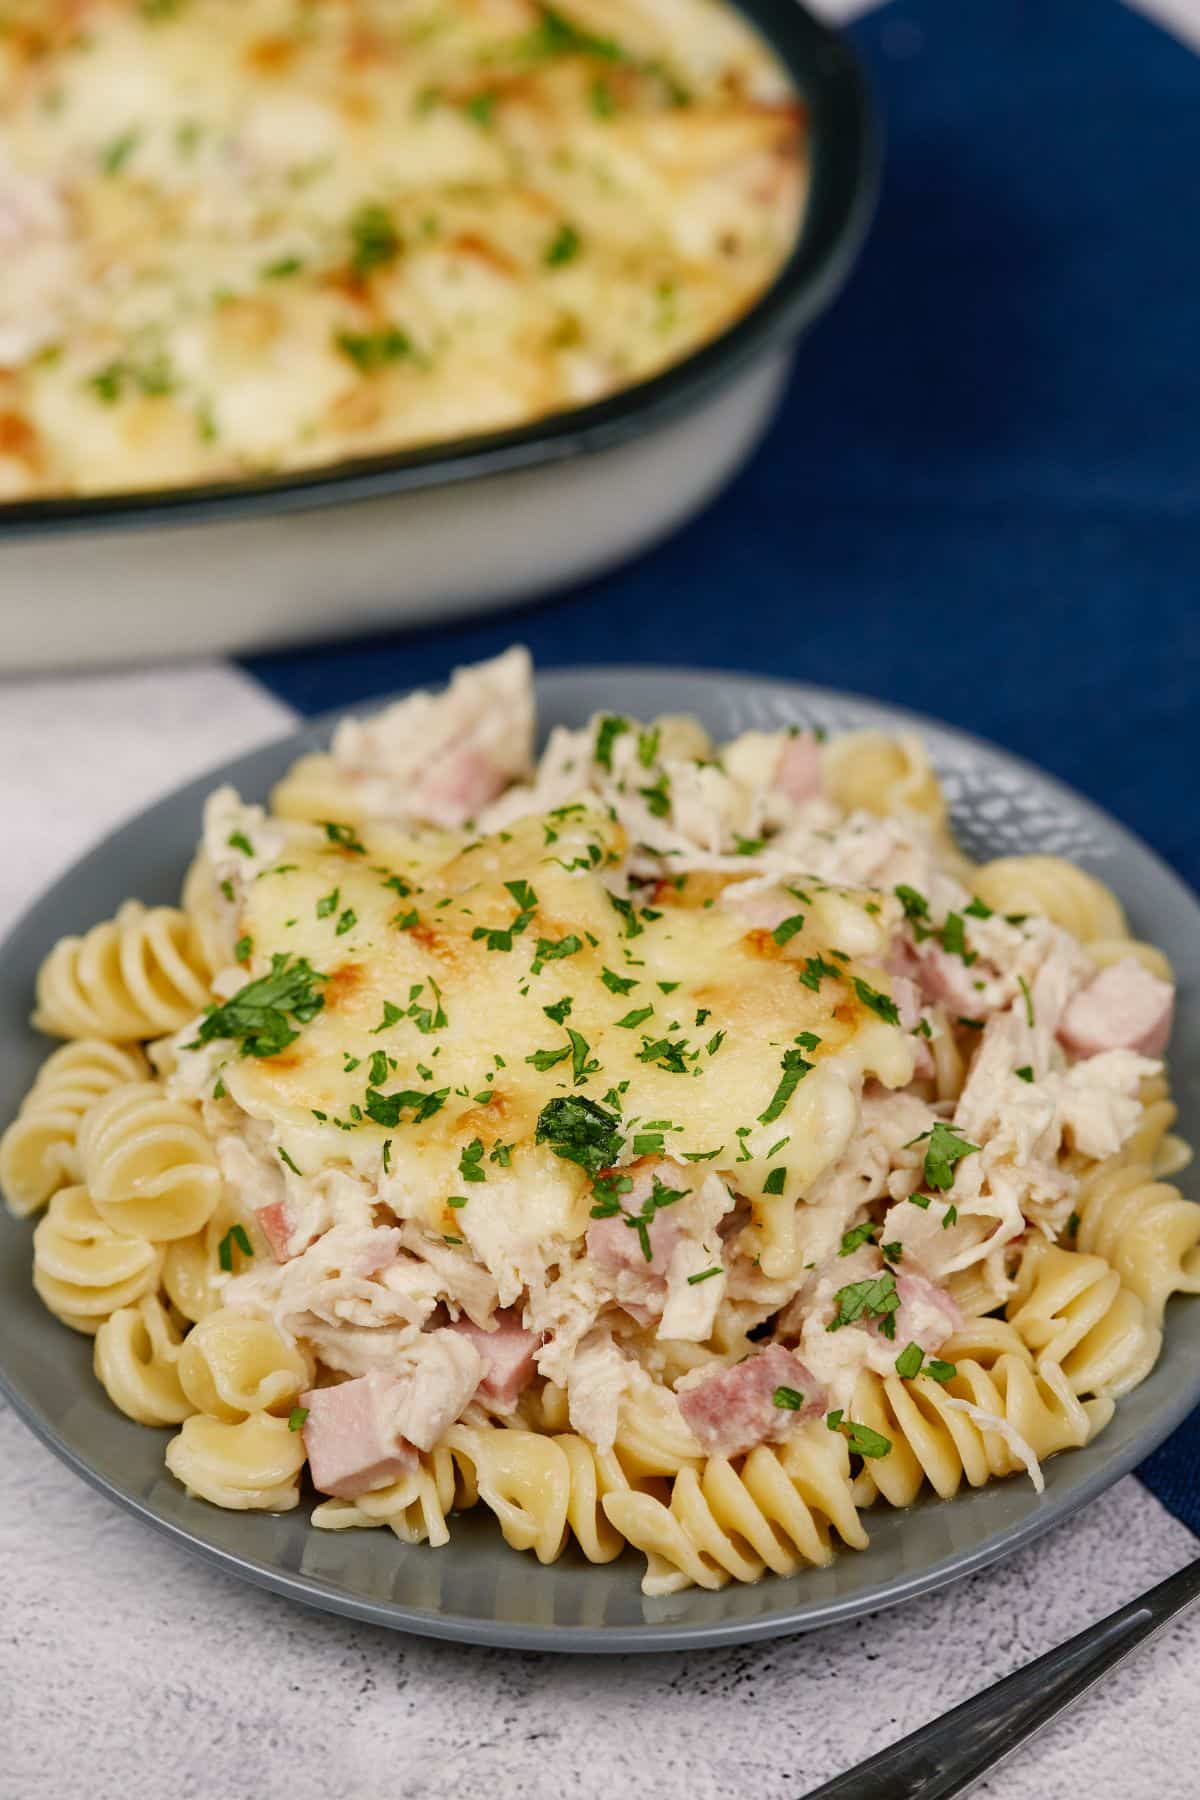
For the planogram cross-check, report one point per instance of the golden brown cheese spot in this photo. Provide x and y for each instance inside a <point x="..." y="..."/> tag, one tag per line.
<point x="271" y="56"/>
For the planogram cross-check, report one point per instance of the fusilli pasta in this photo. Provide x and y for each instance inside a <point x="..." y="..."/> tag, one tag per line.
<point x="136" y="976"/>
<point x="148" y="1163"/>
<point x="39" y="1152"/>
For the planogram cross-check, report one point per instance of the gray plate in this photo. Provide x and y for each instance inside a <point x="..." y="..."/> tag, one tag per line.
<point x="477" y="1589"/>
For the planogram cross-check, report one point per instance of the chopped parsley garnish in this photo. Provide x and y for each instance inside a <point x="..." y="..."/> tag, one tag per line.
<point x="235" y="1235"/>
<point x="714" y="1043"/>
<point x="115" y="155"/>
<point x="704" y="1275"/>
<point x="580" y="1131"/>
<point x="256" y="1017"/>
<point x="875" y="1298"/>
<point x="647" y="746"/>
<point x="795" y="1068"/>
<point x="618" y="984"/>
<point x="953" y="936"/>
<point x="287" y="1161"/>
<point x="878" y="1003"/>
<point x="546" y="1059"/>
<point x="227" y="890"/>
<point x="481" y="108"/>
<point x="698" y="1156"/>
<point x="328" y="904"/>
<point x="344" y="836"/>
<point x="858" y="1234"/>
<point x="665" y="1053"/>
<point x="949" y="1217"/>
<point x="550" y="951"/>
<point x="916" y="906"/>
<point x="237" y="840"/>
<point x="406" y="921"/>
<point x="815" y="971"/>
<point x="428" y="1019"/>
<point x="563" y="247"/>
<point x="389" y="1109"/>
<point x="775" y="1181"/>
<point x="946" y="1147"/>
<point x="658" y="797"/>
<point x="347" y="922"/>
<point x="632" y="927"/>
<point x="374" y="238"/>
<point x="908" y="1363"/>
<point x="281" y="267"/>
<point x="350" y="1063"/>
<point x="387" y="1155"/>
<point x="1025" y="1072"/>
<point x="637" y="1017"/>
<point x="863" y="1440"/>
<point x="380" y="1065"/>
<point x="920" y="1200"/>
<point x="456" y="1200"/>
<point x="469" y="1163"/>
<point x="581" y="1066"/>
<point x="937" y="1370"/>
<point x="1073" y="1224"/>
<point x="296" y="1418"/>
<point x="787" y="928"/>
<point x="501" y="1155"/>
<point x="788" y="1399"/>
<point x="392" y="1015"/>
<point x="523" y="894"/>
<point x="558" y="1012"/>
<point x="607" y="733"/>
<point x="893" y="1252"/>
<point x="978" y="909"/>
<point x="556" y="35"/>
<point x="1024" y="986"/>
<point x="372" y="350"/>
<point x="242" y="949"/>
<point x="748" y="846"/>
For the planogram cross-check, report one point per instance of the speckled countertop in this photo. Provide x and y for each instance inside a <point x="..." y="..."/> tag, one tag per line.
<point x="131" y="1671"/>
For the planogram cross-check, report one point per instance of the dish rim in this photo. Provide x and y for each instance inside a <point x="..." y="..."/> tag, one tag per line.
<point x="655" y="1636"/>
<point x="844" y="157"/>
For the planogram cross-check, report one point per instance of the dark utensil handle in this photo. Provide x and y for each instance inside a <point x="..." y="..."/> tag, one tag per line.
<point x="948" y="1756"/>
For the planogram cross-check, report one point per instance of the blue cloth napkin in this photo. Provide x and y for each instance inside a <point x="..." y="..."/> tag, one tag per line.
<point x="982" y="496"/>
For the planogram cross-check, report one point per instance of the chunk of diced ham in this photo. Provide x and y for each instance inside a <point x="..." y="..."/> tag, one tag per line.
<point x="461" y="785"/>
<point x="351" y="1436"/>
<point x="276" y="1227"/>
<point x="734" y="1409"/>
<point x="798" y="771"/>
<point x="1124" y="1008"/>
<point x="946" y="979"/>
<point x="927" y="1314"/>
<point x="615" y="1246"/>
<point x="507" y="1353"/>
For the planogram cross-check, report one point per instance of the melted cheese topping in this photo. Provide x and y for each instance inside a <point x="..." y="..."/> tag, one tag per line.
<point x="249" y="238"/>
<point x="441" y="967"/>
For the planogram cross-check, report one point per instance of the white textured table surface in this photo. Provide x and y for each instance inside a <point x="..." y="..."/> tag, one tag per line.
<point x="128" y="1669"/>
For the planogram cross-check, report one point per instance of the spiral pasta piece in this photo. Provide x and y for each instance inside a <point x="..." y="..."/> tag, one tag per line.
<point x="232" y="1365"/>
<point x="148" y="1163"/>
<point x="83" y="1270"/>
<point x="1071" y="1309"/>
<point x="252" y="1465"/>
<point x="39" y="1151"/>
<point x="778" y="1510"/>
<point x="943" y="1434"/>
<point x="1144" y="1228"/>
<point x="416" y="1507"/>
<point x="1079" y="902"/>
<point x="136" y="976"/>
<point x="137" y="1363"/>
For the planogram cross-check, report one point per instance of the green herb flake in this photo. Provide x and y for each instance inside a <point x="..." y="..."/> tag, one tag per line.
<point x="256" y="1017"/>
<point x="580" y="1131"/>
<point x="788" y="1399"/>
<point x="563" y="247"/>
<point x="775" y="1180"/>
<point x="908" y="1363"/>
<point x="787" y="928"/>
<point x="237" y="840"/>
<point x="637" y="1017"/>
<point x="1025" y="1072"/>
<point x="296" y="1418"/>
<point x="878" y="1003"/>
<point x="795" y="1068"/>
<point x="945" y="1148"/>
<point x="235" y="1235"/>
<point x="874" y="1298"/>
<point x="347" y="922"/>
<point x="857" y="1235"/>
